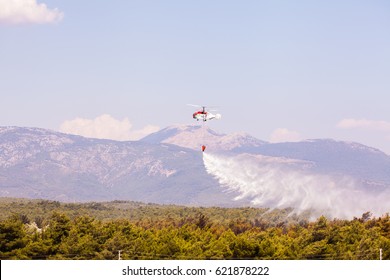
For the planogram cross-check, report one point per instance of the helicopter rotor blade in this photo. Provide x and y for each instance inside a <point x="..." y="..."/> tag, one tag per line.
<point x="193" y="105"/>
<point x="204" y="106"/>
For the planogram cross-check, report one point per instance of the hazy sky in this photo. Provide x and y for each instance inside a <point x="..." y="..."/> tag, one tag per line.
<point x="279" y="70"/>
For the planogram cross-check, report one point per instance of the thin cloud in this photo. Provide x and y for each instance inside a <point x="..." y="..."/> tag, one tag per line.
<point x="106" y="127"/>
<point x="284" y="135"/>
<point x="364" y="124"/>
<point x="28" y="12"/>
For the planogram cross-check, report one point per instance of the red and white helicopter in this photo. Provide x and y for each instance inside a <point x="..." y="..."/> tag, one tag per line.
<point x="204" y="115"/>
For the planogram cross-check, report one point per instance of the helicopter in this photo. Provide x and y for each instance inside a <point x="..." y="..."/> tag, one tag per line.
<point x="204" y="115"/>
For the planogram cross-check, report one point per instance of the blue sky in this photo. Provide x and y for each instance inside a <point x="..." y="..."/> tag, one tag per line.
<point x="279" y="70"/>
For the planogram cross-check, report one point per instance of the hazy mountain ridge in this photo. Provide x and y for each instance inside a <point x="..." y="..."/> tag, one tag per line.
<point x="332" y="156"/>
<point x="39" y="163"/>
<point x="194" y="136"/>
<point x="365" y="163"/>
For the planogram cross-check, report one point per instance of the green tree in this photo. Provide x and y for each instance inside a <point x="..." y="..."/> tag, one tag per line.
<point x="12" y="238"/>
<point x="56" y="231"/>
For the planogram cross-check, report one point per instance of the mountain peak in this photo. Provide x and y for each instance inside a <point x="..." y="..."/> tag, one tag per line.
<point x="194" y="136"/>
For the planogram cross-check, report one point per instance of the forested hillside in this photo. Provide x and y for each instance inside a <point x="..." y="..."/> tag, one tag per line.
<point x="39" y="229"/>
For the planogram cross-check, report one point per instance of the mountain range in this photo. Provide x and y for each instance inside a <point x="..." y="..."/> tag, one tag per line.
<point x="168" y="166"/>
<point x="327" y="156"/>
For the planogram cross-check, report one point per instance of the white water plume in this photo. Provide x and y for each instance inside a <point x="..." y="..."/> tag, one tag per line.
<point x="280" y="183"/>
